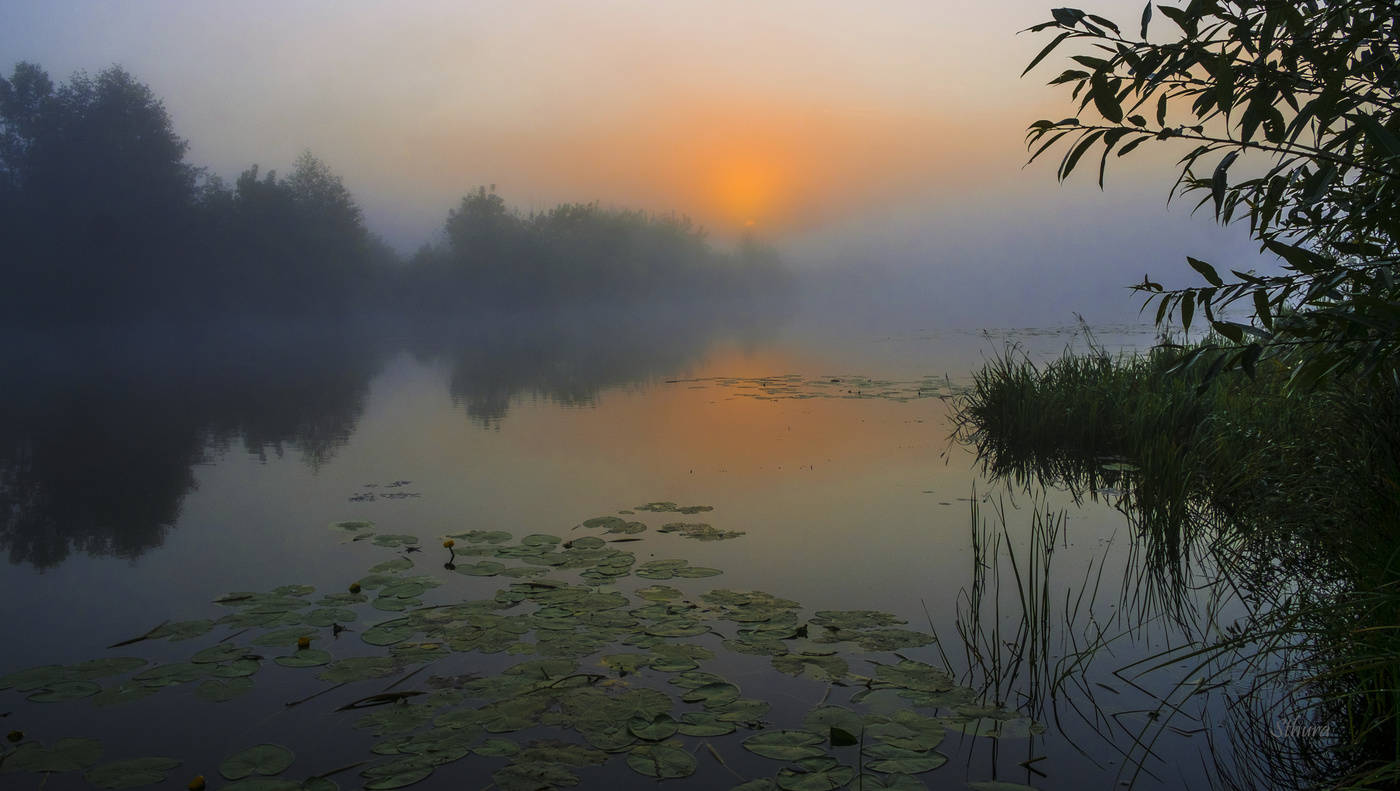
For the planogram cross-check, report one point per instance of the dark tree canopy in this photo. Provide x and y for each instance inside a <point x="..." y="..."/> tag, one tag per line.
<point x="1306" y="94"/>
<point x="104" y="220"/>
<point x="98" y="193"/>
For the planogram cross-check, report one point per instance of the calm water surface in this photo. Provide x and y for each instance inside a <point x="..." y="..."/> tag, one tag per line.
<point x="147" y="474"/>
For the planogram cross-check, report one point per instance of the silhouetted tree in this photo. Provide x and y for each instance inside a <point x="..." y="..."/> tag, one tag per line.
<point x="579" y="252"/>
<point x="97" y="190"/>
<point x="293" y="245"/>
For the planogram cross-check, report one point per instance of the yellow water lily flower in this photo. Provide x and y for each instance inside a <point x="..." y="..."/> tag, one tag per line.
<point x="197" y="783"/>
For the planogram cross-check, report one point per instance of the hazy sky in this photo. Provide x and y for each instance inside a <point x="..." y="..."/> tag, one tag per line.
<point x="888" y="132"/>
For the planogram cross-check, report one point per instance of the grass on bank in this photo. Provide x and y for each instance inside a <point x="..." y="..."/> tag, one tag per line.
<point x="1295" y="496"/>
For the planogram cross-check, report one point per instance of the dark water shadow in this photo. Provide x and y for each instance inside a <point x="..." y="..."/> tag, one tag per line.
<point x="101" y="430"/>
<point x="569" y="357"/>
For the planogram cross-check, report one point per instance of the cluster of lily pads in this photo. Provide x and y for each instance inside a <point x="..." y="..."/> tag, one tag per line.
<point x="772" y="388"/>
<point x="605" y="671"/>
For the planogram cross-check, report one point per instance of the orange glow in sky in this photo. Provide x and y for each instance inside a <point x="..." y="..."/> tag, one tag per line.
<point x="727" y="162"/>
<point x="782" y="116"/>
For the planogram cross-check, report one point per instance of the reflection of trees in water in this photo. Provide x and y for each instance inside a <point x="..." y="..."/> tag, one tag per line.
<point x="99" y="436"/>
<point x="569" y="357"/>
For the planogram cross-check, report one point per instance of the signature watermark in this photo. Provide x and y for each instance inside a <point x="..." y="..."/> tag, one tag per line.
<point x="1298" y="727"/>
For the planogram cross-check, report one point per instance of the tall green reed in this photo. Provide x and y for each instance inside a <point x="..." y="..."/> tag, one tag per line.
<point x="1293" y="497"/>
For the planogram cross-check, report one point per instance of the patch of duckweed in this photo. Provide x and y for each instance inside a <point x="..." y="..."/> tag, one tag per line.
<point x="608" y="673"/>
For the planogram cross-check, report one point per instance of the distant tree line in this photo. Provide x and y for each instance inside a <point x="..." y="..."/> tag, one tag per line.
<point x="577" y="251"/>
<point x="102" y="218"/>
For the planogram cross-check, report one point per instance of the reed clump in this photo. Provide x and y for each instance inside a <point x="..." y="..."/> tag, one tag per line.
<point x="1294" y="495"/>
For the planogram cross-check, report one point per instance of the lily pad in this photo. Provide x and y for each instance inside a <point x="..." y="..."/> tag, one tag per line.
<point x="653" y="729"/>
<point x="285" y="637"/>
<point x="854" y="619"/>
<point x="263" y="784"/>
<point x="661" y="761"/>
<point x="822" y="719"/>
<point x="330" y="615"/>
<point x="742" y="710"/>
<point x="910" y="765"/>
<point x="835" y="777"/>
<point x="392" y="720"/>
<point x="389" y="632"/>
<point x="218" y="653"/>
<point x="699" y="723"/>
<point x="388" y="566"/>
<point x="101" y="668"/>
<point x="394" y="540"/>
<point x="170" y="675"/>
<point x="125" y="692"/>
<point x="131" y="773"/>
<point x="496" y="748"/>
<point x="486" y="568"/>
<point x="820" y="668"/>
<point x="696" y="572"/>
<point x="220" y="691"/>
<point x="353" y="526"/>
<point x="306" y="657"/>
<point x="34" y="678"/>
<point x="183" y="630"/>
<point x="67" y="755"/>
<point x="915" y="675"/>
<point x="554" y="751"/>
<point x="677" y="627"/>
<point x="243" y="666"/>
<point x="534" y="776"/>
<point x="713" y="695"/>
<point x="397" y="774"/>
<point x="786" y="745"/>
<point x="66" y="690"/>
<point x="263" y="759"/>
<point x="895" y="782"/>
<point x="700" y="531"/>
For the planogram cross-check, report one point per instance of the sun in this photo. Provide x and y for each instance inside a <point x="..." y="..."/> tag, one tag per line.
<point x="745" y="191"/>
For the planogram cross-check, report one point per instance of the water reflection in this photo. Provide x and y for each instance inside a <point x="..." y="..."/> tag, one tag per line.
<point x="100" y="432"/>
<point x="1265" y="631"/>
<point x="568" y="357"/>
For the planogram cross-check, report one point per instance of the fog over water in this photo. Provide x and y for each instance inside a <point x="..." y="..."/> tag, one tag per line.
<point x="879" y="146"/>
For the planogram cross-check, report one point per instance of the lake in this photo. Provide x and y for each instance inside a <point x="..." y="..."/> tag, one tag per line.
<point x="194" y="487"/>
